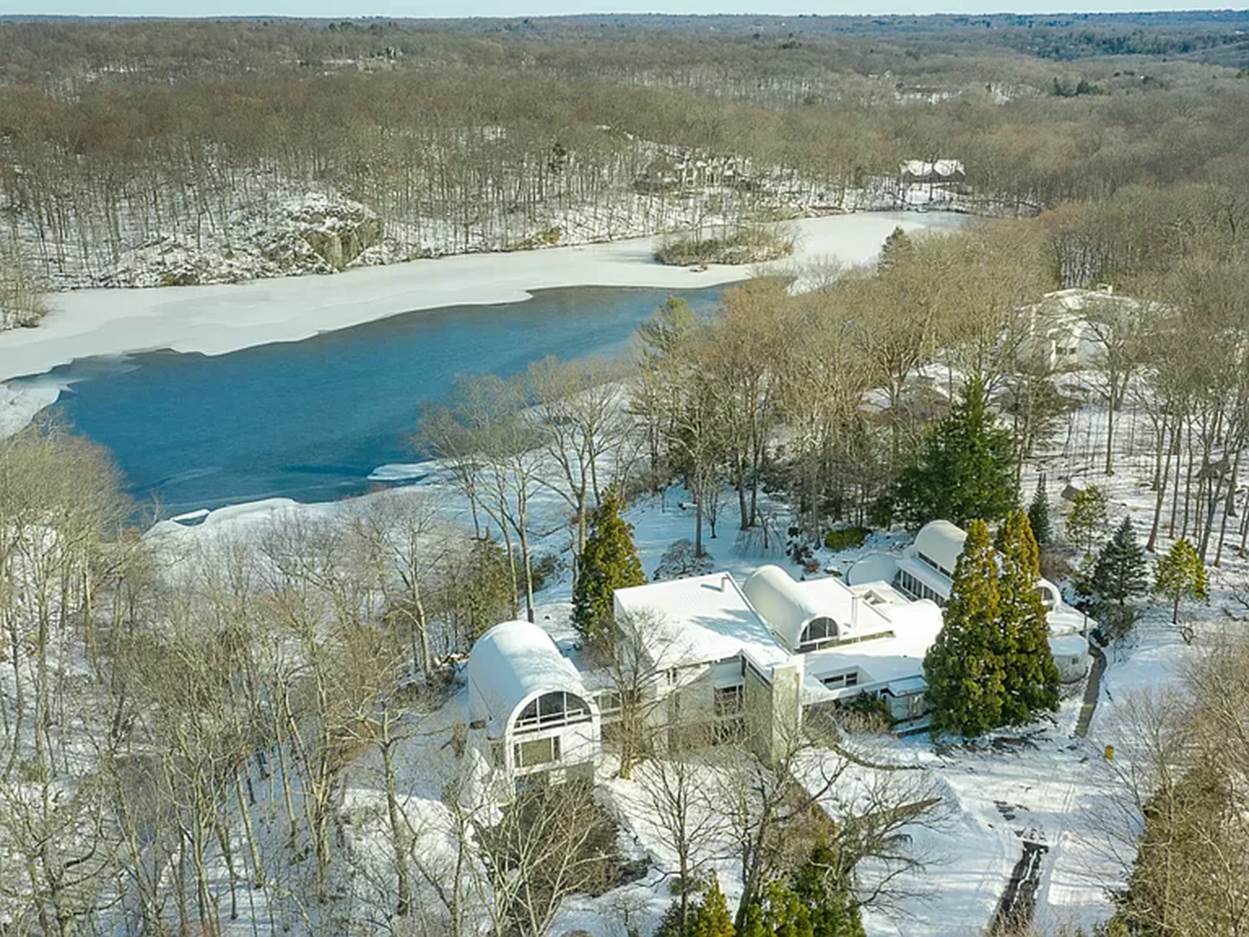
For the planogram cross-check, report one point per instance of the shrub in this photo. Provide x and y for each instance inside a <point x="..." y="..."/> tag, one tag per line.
<point x="680" y="561"/>
<point x="870" y="713"/>
<point x="748" y="245"/>
<point x="846" y="538"/>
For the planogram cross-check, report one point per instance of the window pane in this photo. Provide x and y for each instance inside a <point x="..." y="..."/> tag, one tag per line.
<point x="536" y="752"/>
<point x="728" y="700"/>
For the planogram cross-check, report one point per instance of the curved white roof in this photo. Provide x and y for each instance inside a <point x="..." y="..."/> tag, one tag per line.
<point x="788" y="605"/>
<point x="875" y="567"/>
<point x="941" y="541"/>
<point x="511" y="664"/>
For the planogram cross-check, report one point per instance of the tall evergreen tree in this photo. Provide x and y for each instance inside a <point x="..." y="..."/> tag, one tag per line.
<point x="712" y="919"/>
<point x="966" y="468"/>
<point x="1180" y="574"/>
<point x="898" y="245"/>
<point x="1039" y="515"/>
<point x="778" y="912"/>
<point x="1029" y="674"/>
<point x="1120" y="573"/>
<point x="608" y="562"/>
<point x="820" y="884"/>
<point x="963" y="667"/>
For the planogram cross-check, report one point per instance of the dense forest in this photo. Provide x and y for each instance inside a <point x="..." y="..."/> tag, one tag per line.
<point x="170" y="152"/>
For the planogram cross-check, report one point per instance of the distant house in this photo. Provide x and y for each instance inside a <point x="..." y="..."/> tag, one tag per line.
<point x="925" y="570"/>
<point x="931" y="172"/>
<point x="1060" y="330"/>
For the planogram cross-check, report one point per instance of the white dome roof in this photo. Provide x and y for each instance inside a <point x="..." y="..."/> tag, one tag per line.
<point x="511" y="664"/>
<point x="941" y="542"/>
<point x="788" y="606"/>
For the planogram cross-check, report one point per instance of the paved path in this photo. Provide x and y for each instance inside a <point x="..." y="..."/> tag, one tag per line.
<point x="1018" y="902"/>
<point x="1092" y="691"/>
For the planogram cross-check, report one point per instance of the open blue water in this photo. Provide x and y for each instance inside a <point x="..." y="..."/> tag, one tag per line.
<point x="310" y="420"/>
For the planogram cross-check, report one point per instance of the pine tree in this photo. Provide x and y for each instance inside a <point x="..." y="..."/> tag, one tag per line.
<point x="896" y="247"/>
<point x="819" y="883"/>
<point x="1029" y="675"/>
<point x="1180" y="574"/>
<point x="1039" y="516"/>
<point x="1087" y="519"/>
<point x="1120" y="573"/>
<point x="963" y="667"/>
<point x="778" y="912"/>
<point x="712" y="919"/>
<point x="483" y="593"/>
<point x="966" y="468"/>
<point x="608" y="562"/>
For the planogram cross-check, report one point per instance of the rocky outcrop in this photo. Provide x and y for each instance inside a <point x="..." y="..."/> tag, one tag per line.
<point x="338" y="232"/>
<point x="313" y="233"/>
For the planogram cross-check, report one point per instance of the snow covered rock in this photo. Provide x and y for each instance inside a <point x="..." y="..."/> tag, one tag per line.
<point x="311" y="233"/>
<point x="338" y="230"/>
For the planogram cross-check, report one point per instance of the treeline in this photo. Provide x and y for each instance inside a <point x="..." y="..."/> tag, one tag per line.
<point x="834" y="395"/>
<point x="556" y="136"/>
<point x="120" y="51"/>
<point x="175" y="727"/>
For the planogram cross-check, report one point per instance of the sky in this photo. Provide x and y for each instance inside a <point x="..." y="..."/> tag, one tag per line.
<point x="458" y="8"/>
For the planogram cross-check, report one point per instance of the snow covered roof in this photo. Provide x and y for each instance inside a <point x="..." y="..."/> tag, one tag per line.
<point x="915" y="627"/>
<point x="920" y="168"/>
<point x="877" y="567"/>
<point x="1077" y="299"/>
<point x="942" y="542"/>
<point x="698" y="620"/>
<point x="1063" y="620"/>
<point x="511" y="664"/>
<point x="788" y="605"/>
<point x="1072" y="645"/>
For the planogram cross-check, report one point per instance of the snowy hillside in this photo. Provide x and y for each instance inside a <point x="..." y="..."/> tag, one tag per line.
<point x="269" y="226"/>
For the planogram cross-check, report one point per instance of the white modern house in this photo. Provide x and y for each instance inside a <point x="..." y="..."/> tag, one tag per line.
<point x="925" y="570"/>
<point x="1061" y="331"/>
<point x="733" y="660"/>
<point x="530" y="710"/>
<point x="935" y="172"/>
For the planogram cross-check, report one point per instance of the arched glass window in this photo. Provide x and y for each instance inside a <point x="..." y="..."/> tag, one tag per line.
<point x="818" y="632"/>
<point x="552" y="709"/>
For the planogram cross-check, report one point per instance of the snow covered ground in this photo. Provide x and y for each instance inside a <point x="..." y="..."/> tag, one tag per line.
<point x="1041" y="784"/>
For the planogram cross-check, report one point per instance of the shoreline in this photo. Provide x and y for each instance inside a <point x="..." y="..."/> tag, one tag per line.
<point x="214" y="320"/>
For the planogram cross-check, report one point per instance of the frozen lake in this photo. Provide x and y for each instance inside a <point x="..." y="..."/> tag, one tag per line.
<point x="301" y="387"/>
<point x="311" y="419"/>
